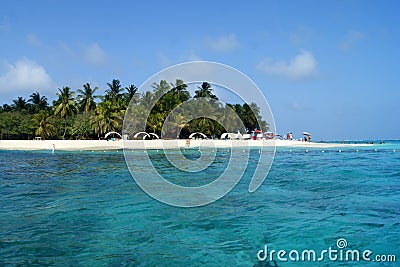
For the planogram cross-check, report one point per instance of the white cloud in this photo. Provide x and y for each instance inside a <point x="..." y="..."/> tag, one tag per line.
<point x="23" y="78"/>
<point x="33" y="39"/>
<point x="94" y="55"/>
<point x="301" y="67"/>
<point x="225" y="43"/>
<point x="350" y="40"/>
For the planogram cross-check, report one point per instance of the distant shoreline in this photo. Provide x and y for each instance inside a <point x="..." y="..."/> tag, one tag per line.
<point x="157" y="144"/>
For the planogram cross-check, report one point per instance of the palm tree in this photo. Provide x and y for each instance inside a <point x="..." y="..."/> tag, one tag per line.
<point x="38" y="102"/>
<point x="65" y="105"/>
<point x="207" y="112"/>
<point x="249" y="118"/>
<point x="205" y="91"/>
<point x="160" y="89"/>
<point x="180" y="91"/>
<point x="6" y="108"/>
<point x="131" y="91"/>
<point x="136" y="118"/>
<point x="106" y="118"/>
<point x="114" y="91"/>
<point x="231" y="120"/>
<point x="263" y="125"/>
<point x="42" y="120"/>
<point x="147" y="100"/>
<point x="155" y="122"/>
<point x="19" y="104"/>
<point x="162" y="96"/>
<point x="86" y="98"/>
<point x="180" y="122"/>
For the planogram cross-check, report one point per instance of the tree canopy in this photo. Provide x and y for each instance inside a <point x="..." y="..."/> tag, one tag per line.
<point x="84" y="114"/>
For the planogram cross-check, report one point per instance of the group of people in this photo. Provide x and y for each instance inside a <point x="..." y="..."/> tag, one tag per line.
<point x="257" y="135"/>
<point x="306" y="138"/>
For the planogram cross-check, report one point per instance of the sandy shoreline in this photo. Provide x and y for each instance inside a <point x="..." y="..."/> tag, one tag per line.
<point x="154" y="144"/>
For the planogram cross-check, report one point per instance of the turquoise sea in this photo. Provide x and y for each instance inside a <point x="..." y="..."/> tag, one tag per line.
<point x="85" y="209"/>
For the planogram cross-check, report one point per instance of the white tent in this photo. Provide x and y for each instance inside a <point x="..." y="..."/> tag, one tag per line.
<point x="197" y="133"/>
<point x="226" y="135"/>
<point x="246" y="136"/>
<point x="140" y="133"/>
<point x="153" y="134"/>
<point x="146" y="135"/>
<point x="110" y="133"/>
<point x="232" y="136"/>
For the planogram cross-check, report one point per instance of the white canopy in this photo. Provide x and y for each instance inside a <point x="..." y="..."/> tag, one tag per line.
<point x="153" y="134"/>
<point x="226" y="135"/>
<point x="146" y="135"/>
<point x="139" y="133"/>
<point x="110" y="133"/>
<point x="193" y="134"/>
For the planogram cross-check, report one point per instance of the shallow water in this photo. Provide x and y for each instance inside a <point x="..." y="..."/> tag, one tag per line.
<point x="84" y="209"/>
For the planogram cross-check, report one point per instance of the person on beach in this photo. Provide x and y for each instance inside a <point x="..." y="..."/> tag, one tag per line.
<point x="53" y="148"/>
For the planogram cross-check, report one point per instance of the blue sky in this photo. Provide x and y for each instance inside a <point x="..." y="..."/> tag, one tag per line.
<point x="328" y="67"/>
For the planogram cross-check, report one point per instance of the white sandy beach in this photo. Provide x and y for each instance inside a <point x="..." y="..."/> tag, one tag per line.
<point x="154" y="144"/>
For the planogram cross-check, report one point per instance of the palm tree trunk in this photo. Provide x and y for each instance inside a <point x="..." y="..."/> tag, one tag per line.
<point x="65" y="128"/>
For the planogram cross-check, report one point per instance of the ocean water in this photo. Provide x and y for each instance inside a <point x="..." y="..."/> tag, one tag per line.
<point x="85" y="209"/>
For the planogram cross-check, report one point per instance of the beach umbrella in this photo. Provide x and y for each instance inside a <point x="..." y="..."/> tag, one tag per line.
<point x="305" y="133"/>
<point x="257" y="131"/>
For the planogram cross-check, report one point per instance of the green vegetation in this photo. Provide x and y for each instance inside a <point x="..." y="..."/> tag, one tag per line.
<point x="86" y="115"/>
